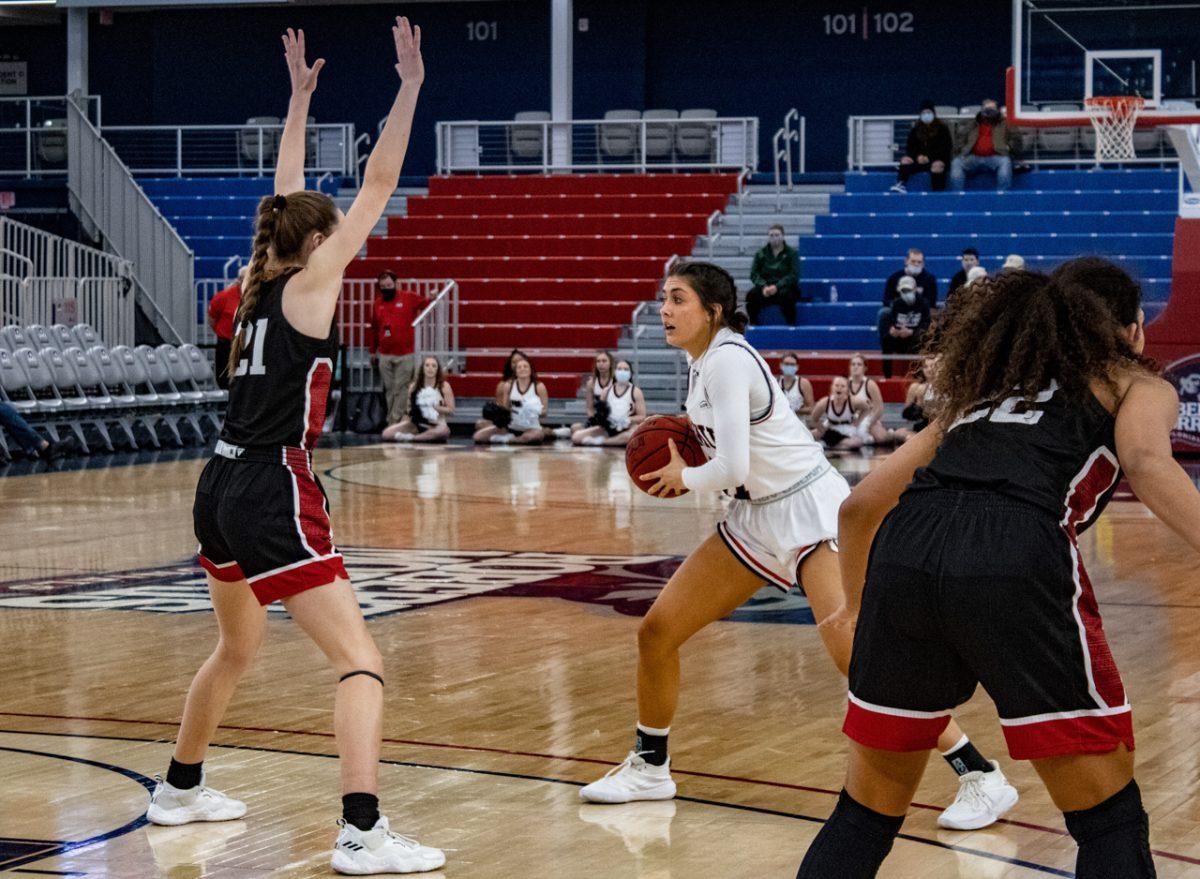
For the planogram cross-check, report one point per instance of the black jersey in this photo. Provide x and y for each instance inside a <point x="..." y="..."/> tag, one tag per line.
<point x="279" y="390"/>
<point x="1053" y="452"/>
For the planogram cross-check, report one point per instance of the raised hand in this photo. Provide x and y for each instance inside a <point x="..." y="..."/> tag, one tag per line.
<point x="304" y="78"/>
<point x="409" y="64"/>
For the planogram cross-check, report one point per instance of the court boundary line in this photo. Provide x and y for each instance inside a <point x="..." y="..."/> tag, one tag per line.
<point x="1187" y="859"/>
<point x="496" y="773"/>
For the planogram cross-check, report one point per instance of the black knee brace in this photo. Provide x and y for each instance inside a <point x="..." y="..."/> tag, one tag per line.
<point x="1113" y="838"/>
<point x="369" y="674"/>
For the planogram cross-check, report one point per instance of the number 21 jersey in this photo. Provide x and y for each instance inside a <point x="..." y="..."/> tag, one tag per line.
<point x="278" y="393"/>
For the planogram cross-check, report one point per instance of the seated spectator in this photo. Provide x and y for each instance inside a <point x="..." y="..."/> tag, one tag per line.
<point x="918" y="399"/>
<point x="903" y="329"/>
<point x="594" y="386"/>
<point x="977" y="273"/>
<point x="620" y="409"/>
<point x="515" y="415"/>
<point x="796" y="388"/>
<point x="928" y="150"/>
<point x="775" y="274"/>
<point x="835" y="418"/>
<point x="1014" y="262"/>
<point x="969" y="259"/>
<point x="430" y="401"/>
<point x="28" y="439"/>
<point x="865" y="390"/>
<point x="506" y="376"/>
<point x="914" y="267"/>
<point x="988" y="144"/>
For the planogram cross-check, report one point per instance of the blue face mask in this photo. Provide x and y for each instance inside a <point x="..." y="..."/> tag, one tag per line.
<point x="926" y="116"/>
<point x="623" y="375"/>
<point x="788" y="369"/>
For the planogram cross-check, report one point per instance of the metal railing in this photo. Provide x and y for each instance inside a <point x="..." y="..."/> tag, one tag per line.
<point x="598" y="145"/>
<point x="107" y="198"/>
<point x="878" y="142"/>
<point x="33" y="134"/>
<point x="46" y="279"/>
<point x="1186" y="141"/>
<point x="781" y="148"/>
<point x="228" y="149"/>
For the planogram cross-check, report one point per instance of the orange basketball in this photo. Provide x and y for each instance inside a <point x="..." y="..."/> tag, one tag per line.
<point x="648" y="450"/>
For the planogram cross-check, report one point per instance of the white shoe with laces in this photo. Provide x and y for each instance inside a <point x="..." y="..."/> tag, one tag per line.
<point x="378" y="850"/>
<point x="171" y="806"/>
<point x="899" y="187"/>
<point x="632" y="779"/>
<point x="983" y="798"/>
<point x="562" y="433"/>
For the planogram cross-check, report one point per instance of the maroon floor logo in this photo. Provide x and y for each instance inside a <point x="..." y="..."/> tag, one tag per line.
<point x="1185" y="376"/>
<point x="395" y="580"/>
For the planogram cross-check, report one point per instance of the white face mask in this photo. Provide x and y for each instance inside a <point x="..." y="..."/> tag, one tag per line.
<point x="909" y="297"/>
<point x="913" y="270"/>
<point x="788" y="369"/>
<point x="926" y="116"/>
<point x="623" y="375"/>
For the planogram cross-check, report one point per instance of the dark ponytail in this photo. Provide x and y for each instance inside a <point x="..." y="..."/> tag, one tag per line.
<point x="715" y="287"/>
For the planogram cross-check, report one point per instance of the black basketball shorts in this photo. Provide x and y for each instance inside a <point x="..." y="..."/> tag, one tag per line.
<point x="262" y="516"/>
<point x="967" y="588"/>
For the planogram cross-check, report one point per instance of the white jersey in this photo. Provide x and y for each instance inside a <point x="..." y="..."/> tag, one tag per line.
<point x="755" y="445"/>
<point x="862" y="394"/>
<point x="598" y="389"/>
<point x="620" y="407"/>
<point x="839" y="417"/>
<point x="795" y="398"/>
<point x="526" y="407"/>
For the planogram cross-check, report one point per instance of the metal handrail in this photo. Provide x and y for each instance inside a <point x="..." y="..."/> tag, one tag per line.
<point x="714" y="220"/>
<point x="6" y="254"/>
<point x="446" y="298"/>
<point x="784" y="152"/>
<point x="360" y="157"/>
<point x="235" y="262"/>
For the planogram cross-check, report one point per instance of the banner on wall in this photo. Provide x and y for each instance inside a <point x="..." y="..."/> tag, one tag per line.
<point x="1184" y="374"/>
<point x="14" y="77"/>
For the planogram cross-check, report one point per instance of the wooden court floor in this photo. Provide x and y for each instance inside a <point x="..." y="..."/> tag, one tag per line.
<point x="504" y="588"/>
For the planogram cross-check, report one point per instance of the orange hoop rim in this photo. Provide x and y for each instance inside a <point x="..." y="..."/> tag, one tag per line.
<point x="1113" y="102"/>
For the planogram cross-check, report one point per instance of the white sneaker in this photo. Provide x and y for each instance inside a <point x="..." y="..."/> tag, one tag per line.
<point x="500" y="438"/>
<point x="593" y="440"/>
<point x="983" y="798"/>
<point x="633" y="779"/>
<point x="378" y="850"/>
<point x="562" y="433"/>
<point x="171" y="806"/>
<point x="403" y="437"/>
<point x="899" y="187"/>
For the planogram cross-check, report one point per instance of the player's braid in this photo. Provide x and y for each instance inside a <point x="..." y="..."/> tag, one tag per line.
<point x="264" y="235"/>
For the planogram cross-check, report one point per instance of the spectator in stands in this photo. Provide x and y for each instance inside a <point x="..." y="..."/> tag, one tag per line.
<point x="27" y="438"/>
<point x="594" y="386"/>
<point x="1014" y="262"/>
<point x="969" y="259"/>
<point x="988" y="144"/>
<point x="391" y="342"/>
<point x="905" y="325"/>
<point x="430" y="402"/>
<point x="506" y="376"/>
<point x="221" y="311"/>
<point x="620" y="409"/>
<point x="835" y="419"/>
<point x="796" y="388"/>
<point x="775" y="274"/>
<point x="914" y="267"/>
<point x="928" y="149"/>
<point x="515" y="415"/>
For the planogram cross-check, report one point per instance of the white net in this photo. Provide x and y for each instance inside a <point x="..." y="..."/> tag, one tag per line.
<point x="1114" y="119"/>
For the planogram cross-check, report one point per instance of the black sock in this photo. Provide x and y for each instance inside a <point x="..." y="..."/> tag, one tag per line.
<point x="1113" y="837"/>
<point x="361" y="810"/>
<point x="852" y="844"/>
<point x="184" y="775"/>
<point x="652" y="747"/>
<point x="964" y="758"/>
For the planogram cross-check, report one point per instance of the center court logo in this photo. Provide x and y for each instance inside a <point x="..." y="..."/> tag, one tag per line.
<point x="391" y="581"/>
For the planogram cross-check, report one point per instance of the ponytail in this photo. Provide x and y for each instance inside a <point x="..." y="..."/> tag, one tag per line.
<point x="264" y="235"/>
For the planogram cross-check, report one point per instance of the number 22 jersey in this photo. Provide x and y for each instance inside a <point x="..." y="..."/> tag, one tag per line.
<point x="278" y="393"/>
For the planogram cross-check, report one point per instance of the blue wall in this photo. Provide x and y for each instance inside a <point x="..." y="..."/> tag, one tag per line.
<point x="755" y="59"/>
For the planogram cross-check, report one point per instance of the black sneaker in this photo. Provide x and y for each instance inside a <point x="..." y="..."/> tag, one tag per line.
<point x="52" y="451"/>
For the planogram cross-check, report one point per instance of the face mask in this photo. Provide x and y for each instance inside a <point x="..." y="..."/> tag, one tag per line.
<point x="991" y="114"/>
<point x="788" y="369"/>
<point x="912" y="270"/>
<point x="388" y="293"/>
<point x="926" y="116"/>
<point x="909" y="297"/>
<point x="623" y="375"/>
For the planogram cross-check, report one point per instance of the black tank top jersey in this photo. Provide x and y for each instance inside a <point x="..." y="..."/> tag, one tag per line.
<point x="278" y="393"/>
<point x="1055" y="453"/>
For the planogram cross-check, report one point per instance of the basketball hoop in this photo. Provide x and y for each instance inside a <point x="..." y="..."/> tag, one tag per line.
<point x="1114" y="119"/>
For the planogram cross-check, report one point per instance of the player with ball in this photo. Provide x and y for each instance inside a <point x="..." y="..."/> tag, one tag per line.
<point x="780" y="526"/>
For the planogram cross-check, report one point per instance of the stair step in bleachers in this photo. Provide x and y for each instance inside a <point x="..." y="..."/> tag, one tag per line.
<point x="963" y="223"/>
<point x="550" y="224"/>
<point x="1032" y="201"/>
<point x="658" y="246"/>
<point x="538" y="335"/>
<point x="1046" y="180"/>
<point x="870" y="289"/>
<point x="582" y="184"/>
<point x="1139" y="265"/>
<point x="500" y="311"/>
<point x="483" y="205"/>
<point x="565" y="267"/>
<point x="627" y="290"/>
<point x="815" y="338"/>
<point x="951" y="245"/>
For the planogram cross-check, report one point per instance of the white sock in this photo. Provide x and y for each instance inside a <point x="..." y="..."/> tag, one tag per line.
<point x="651" y="731"/>
<point x="956" y="745"/>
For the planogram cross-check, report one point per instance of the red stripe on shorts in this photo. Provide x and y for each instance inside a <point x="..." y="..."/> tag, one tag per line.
<point x="312" y="514"/>
<point x="1075" y="735"/>
<point x="293" y="581"/>
<point x="892" y="732"/>
<point x="229" y="573"/>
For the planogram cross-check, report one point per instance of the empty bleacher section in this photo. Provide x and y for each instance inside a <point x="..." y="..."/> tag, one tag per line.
<point x="551" y="264"/>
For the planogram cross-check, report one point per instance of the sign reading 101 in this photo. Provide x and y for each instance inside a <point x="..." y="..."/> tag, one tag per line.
<point x="868" y="23"/>
<point x="481" y="31"/>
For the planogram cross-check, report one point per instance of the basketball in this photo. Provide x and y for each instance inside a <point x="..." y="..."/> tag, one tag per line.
<point x="648" y="450"/>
